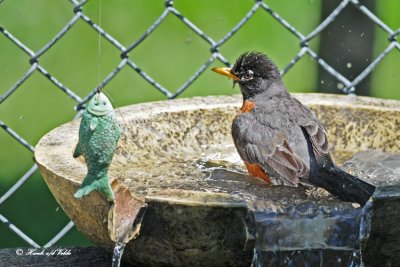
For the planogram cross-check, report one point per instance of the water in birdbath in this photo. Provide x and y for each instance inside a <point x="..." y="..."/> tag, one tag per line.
<point x="292" y="225"/>
<point x="189" y="169"/>
<point x="380" y="167"/>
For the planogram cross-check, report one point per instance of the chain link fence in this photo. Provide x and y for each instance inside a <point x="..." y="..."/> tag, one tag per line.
<point x="77" y="14"/>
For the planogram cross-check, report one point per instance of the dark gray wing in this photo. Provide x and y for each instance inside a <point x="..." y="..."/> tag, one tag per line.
<point x="318" y="136"/>
<point x="268" y="146"/>
<point x="308" y="120"/>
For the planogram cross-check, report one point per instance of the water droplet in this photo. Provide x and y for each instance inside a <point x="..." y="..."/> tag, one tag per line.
<point x="322" y="81"/>
<point x="340" y="86"/>
<point x="189" y="39"/>
<point x="348" y="65"/>
<point x="349" y="30"/>
<point x="362" y="34"/>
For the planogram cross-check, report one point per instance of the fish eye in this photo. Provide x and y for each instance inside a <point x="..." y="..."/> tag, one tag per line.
<point x="96" y="103"/>
<point x="104" y="103"/>
<point x="248" y="75"/>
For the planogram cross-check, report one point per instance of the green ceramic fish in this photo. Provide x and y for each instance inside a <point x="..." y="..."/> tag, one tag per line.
<point x="99" y="133"/>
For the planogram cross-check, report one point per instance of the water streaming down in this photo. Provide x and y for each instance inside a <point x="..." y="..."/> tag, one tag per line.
<point x="117" y="254"/>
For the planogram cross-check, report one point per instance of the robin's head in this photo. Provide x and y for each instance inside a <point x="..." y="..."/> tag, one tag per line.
<point x="253" y="71"/>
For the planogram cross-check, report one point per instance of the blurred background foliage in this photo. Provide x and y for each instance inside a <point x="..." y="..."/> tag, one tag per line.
<point x="171" y="55"/>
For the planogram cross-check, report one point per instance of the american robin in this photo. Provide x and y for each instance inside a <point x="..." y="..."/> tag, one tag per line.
<point x="276" y="135"/>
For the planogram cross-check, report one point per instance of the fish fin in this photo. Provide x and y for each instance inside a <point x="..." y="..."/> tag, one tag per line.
<point x="93" y="123"/>
<point x="98" y="183"/>
<point x="119" y="132"/>
<point x="118" y="128"/>
<point x="77" y="151"/>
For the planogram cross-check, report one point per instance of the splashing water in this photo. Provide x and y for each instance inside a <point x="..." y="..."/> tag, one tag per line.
<point x="293" y="226"/>
<point x="117" y="254"/>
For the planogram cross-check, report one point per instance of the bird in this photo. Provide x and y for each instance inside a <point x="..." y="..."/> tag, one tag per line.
<point x="277" y="136"/>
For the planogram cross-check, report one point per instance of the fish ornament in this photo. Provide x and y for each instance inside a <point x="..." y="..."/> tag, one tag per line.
<point x="99" y="133"/>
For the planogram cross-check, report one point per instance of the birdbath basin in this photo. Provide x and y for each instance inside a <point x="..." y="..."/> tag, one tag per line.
<point x="177" y="158"/>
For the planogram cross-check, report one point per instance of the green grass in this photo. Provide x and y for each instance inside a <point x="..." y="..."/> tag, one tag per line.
<point x="171" y="55"/>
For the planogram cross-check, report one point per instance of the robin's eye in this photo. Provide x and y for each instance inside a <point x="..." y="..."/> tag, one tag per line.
<point x="248" y="75"/>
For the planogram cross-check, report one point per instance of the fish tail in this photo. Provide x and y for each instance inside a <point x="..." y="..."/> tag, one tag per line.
<point x="343" y="185"/>
<point x="98" y="183"/>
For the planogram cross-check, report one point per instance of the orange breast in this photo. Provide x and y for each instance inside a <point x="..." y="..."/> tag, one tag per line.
<point x="247" y="106"/>
<point x="256" y="171"/>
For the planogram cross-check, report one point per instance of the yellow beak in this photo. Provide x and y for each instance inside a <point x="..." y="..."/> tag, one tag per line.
<point x="226" y="72"/>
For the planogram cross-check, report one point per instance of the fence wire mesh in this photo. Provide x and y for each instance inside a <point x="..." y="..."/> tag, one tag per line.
<point x="77" y="14"/>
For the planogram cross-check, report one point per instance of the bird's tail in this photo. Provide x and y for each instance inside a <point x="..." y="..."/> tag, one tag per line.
<point x="343" y="185"/>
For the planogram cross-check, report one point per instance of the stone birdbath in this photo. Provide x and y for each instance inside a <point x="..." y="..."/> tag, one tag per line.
<point x="183" y="197"/>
